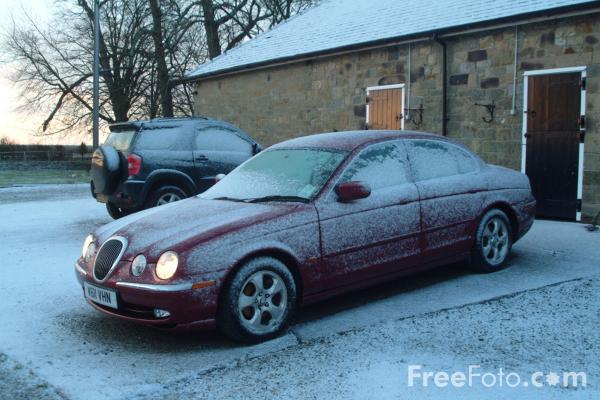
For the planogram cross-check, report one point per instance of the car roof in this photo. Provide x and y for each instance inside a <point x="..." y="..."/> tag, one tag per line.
<point x="158" y="123"/>
<point x="350" y="140"/>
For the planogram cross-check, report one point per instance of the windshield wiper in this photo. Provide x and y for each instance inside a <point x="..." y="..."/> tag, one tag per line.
<point x="229" y="199"/>
<point x="278" y="198"/>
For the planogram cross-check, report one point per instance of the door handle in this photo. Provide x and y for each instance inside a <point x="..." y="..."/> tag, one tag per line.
<point x="201" y="158"/>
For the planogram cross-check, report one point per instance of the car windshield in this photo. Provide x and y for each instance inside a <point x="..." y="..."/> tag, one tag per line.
<point x="120" y="140"/>
<point x="282" y="175"/>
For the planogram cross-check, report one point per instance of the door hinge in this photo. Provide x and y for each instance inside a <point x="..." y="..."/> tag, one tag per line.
<point x="367" y="126"/>
<point x="582" y="122"/>
<point x="579" y="205"/>
<point x="367" y="99"/>
<point x="582" y="83"/>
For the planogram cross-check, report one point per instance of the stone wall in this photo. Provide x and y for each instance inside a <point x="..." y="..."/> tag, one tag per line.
<point x="329" y="94"/>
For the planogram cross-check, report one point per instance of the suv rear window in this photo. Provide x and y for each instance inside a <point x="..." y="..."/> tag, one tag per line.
<point x="120" y="140"/>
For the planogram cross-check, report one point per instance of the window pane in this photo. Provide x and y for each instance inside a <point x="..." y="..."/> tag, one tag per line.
<point x="433" y="159"/>
<point x="293" y="172"/>
<point x="120" y="140"/>
<point x="167" y="138"/>
<point x="221" y="139"/>
<point x="380" y="166"/>
<point x="466" y="162"/>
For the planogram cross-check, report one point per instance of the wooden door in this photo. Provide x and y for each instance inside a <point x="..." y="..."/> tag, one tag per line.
<point x="552" y="142"/>
<point x="385" y="108"/>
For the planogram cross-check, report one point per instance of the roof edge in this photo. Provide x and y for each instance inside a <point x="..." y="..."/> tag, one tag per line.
<point x="553" y="12"/>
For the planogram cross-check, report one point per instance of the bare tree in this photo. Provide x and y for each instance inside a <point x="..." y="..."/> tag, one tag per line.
<point x="144" y="45"/>
<point x="55" y="66"/>
<point x="227" y="23"/>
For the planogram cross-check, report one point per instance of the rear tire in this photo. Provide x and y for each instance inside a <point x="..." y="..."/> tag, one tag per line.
<point x="117" y="212"/>
<point x="164" y="195"/>
<point x="259" y="301"/>
<point x="493" y="242"/>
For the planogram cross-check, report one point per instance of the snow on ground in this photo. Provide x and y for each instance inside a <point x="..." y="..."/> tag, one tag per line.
<point x="550" y="329"/>
<point x="354" y="346"/>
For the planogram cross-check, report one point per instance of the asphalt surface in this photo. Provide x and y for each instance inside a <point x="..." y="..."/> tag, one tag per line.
<point x="540" y="313"/>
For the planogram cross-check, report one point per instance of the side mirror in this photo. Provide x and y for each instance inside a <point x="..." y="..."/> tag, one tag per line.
<point x="218" y="177"/>
<point x="349" y="191"/>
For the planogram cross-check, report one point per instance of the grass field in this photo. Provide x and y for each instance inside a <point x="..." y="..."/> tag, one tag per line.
<point x="12" y="177"/>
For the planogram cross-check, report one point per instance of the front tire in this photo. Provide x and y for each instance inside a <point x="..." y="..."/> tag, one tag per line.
<point x="259" y="301"/>
<point x="493" y="242"/>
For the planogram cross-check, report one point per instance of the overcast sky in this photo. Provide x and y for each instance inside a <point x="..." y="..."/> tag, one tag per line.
<point x="20" y="126"/>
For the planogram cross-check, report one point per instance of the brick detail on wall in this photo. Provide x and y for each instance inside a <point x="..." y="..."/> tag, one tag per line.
<point x="460" y="79"/>
<point x="477" y="55"/>
<point x="490" y="83"/>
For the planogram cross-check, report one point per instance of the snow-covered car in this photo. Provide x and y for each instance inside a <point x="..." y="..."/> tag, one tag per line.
<point x="302" y="221"/>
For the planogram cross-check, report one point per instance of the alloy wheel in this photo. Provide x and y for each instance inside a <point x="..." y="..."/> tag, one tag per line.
<point x="494" y="243"/>
<point x="262" y="302"/>
<point x="167" y="198"/>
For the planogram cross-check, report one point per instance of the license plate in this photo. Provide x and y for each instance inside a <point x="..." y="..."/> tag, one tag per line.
<point x="100" y="295"/>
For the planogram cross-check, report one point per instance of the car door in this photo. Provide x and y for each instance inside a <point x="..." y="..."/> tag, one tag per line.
<point x="218" y="150"/>
<point x="376" y="235"/>
<point x="165" y="147"/>
<point x="450" y="189"/>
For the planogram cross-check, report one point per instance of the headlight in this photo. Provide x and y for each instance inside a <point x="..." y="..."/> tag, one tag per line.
<point x="89" y="248"/>
<point x="138" y="265"/>
<point x="167" y="265"/>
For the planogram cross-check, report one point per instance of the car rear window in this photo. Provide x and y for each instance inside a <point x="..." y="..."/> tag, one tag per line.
<point x="120" y="140"/>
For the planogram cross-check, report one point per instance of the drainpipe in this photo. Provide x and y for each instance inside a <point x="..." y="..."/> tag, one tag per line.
<point x="513" y="110"/>
<point x="407" y="116"/>
<point x="444" y="84"/>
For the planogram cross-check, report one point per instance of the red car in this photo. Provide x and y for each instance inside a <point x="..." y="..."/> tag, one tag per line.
<point x="302" y="221"/>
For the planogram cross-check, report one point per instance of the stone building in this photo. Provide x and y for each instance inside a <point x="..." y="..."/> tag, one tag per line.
<point x="517" y="82"/>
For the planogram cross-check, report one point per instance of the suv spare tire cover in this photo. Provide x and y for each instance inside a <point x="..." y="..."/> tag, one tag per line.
<point x="107" y="169"/>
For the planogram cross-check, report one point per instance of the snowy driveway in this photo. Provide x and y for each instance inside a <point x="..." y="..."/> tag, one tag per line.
<point x="47" y="326"/>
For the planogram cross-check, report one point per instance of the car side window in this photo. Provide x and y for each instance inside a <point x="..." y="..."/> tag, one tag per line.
<point x="216" y="138"/>
<point x="433" y="159"/>
<point x="167" y="138"/>
<point x="380" y="165"/>
<point x="466" y="162"/>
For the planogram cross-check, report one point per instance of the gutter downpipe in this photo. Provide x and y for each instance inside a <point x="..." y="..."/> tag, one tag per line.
<point x="444" y="84"/>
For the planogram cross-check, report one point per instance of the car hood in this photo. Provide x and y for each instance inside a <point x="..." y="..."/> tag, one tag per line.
<point x="183" y="224"/>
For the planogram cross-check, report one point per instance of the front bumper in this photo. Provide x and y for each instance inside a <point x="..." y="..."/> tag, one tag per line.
<point x="189" y="308"/>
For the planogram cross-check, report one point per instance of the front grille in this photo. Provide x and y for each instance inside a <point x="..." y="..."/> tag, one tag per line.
<point x="108" y="256"/>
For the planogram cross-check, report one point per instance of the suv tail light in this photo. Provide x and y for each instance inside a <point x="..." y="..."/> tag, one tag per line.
<point x="134" y="164"/>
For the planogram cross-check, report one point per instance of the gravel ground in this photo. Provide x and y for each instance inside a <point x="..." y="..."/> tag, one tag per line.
<point x="19" y="383"/>
<point x="554" y="328"/>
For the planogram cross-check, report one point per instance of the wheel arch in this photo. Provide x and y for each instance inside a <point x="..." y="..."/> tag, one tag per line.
<point x="160" y="178"/>
<point x="280" y="254"/>
<point x="510" y="213"/>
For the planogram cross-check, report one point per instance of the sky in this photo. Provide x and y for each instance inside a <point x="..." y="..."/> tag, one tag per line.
<point x="22" y="126"/>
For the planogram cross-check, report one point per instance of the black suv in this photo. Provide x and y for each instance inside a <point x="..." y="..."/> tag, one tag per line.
<point x="144" y="164"/>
